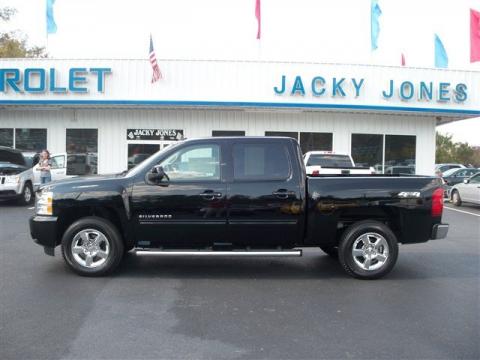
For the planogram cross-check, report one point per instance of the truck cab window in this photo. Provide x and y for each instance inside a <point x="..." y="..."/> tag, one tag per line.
<point x="193" y="163"/>
<point x="260" y="162"/>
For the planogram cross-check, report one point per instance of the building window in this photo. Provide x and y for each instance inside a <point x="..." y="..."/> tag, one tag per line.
<point x="260" y="162"/>
<point x="82" y="150"/>
<point x="139" y="152"/>
<point x="31" y="139"/>
<point x="24" y="139"/>
<point x="228" y="133"/>
<point x="6" y="137"/>
<point x="291" y="134"/>
<point x="310" y="141"/>
<point x="400" y="154"/>
<point x="367" y="150"/>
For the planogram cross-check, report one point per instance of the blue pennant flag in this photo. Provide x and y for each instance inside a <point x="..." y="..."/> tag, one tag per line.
<point x="441" y="58"/>
<point x="51" y="26"/>
<point x="375" y="24"/>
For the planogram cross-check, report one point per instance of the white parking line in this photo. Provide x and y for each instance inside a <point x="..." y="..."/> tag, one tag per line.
<point x="462" y="211"/>
<point x="31" y="208"/>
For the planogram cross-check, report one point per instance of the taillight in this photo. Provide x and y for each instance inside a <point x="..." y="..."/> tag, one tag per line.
<point x="316" y="172"/>
<point x="437" y="202"/>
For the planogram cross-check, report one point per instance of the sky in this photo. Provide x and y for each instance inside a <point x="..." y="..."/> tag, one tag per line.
<point x="301" y="30"/>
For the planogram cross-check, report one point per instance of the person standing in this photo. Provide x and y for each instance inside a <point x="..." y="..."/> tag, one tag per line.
<point x="44" y="167"/>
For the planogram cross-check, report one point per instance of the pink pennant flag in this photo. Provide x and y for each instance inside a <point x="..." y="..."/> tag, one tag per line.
<point x="258" y="15"/>
<point x="474" y="35"/>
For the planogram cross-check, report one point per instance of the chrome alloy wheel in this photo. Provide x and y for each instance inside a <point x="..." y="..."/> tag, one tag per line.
<point x="370" y="251"/>
<point x="90" y="248"/>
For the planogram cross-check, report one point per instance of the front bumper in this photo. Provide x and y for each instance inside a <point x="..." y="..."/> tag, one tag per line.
<point x="10" y="191"/>
<point x="439" y="231"/>
<point x="43" y="230"/>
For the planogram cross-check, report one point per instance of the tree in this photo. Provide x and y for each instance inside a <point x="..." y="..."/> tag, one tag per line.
<point x="13" y="44"/>
<point x="449" y="151"/>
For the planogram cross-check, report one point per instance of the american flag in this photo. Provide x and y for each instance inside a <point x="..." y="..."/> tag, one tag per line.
<point x="156" y="74"/>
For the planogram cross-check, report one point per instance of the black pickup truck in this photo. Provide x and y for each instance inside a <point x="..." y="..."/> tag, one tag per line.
<point x="235" y="196"/>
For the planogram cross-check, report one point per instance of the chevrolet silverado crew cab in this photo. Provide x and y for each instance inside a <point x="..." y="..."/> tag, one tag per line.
<point x="235" y="196"/>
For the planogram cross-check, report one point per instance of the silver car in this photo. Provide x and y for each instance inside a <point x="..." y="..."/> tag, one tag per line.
<point x="467" y="191"/>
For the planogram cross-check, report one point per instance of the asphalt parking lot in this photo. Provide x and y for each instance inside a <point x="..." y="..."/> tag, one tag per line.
<point x="290" y="308"/>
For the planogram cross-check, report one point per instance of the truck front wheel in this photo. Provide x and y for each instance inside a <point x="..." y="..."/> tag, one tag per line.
<point x="92" y="246"/>
<point x="368" y="250"/>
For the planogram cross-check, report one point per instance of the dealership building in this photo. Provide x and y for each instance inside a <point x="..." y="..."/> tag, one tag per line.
<point x="107" y="115"/>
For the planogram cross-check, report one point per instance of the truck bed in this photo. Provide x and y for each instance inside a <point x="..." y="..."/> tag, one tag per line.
<point x="334" y="202"/>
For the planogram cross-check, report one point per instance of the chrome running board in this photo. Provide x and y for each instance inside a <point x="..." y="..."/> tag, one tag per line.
<point x="218" y="253"/>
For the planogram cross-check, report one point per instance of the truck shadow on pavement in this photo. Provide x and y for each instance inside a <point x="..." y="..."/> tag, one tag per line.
<point x="312" y="266"/>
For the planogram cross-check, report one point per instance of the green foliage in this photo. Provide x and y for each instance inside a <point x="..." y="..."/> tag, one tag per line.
<point x="13" y="44"/>
<point x="449" y="151"/>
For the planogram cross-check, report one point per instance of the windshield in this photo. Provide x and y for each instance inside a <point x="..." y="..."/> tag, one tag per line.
<point x="330" y="160"/>
<point x="12" y="157"/>
<point x="31" y="159"/>
<point x="450" y="172"/>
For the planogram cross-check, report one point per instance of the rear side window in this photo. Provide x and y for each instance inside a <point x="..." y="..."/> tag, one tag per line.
<point x="260" y="162"/>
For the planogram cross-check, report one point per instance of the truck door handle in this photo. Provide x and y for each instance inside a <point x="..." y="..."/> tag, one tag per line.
<point x="282" y="193"/>
<point x="210" y="195"/>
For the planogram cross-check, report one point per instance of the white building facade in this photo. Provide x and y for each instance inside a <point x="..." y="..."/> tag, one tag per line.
<point x="107" y="115"/>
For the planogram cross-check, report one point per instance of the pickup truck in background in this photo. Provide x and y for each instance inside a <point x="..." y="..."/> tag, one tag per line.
<point x="327" y="163"/>
<point x="16" y="176"/>
<point x="235" y="196"/>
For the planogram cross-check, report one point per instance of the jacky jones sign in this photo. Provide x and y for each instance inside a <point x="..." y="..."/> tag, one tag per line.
<point x="352" y="87"/>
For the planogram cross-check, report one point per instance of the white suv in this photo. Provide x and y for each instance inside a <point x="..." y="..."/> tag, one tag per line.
<point x="16" y="177"/>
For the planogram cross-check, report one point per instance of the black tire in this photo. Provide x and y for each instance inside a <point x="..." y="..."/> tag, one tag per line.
<point x="330" y="250"/>
<point x="456" y="199"/>
<point x="27" y="196"/>
<point x="376" y="230"/>
<point x="113" y="238"/>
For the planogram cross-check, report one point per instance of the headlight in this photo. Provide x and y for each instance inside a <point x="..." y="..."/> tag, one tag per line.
<point x="43" y="204"/>
<point x="13" y="179"/>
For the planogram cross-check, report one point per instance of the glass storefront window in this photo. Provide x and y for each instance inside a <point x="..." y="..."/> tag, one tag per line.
<point x="228" y="133"/>
<point x="292" y="134"/>
<point x="311" y="141"/>
<point x="139" y="152"/>
<point x="31" y="139"/>
<point x="400" y="154"/>
<point x="367" y="150"/>
<point x="82" y="150"/>
<point x="6" y="137"/>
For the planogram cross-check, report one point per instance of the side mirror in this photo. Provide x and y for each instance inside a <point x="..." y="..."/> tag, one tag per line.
<point x="157" y="176"/>
<point x="466" y="181"/>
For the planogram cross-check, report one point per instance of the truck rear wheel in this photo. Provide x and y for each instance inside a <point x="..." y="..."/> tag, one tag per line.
<point x="92" y="246"/>
<point x="368" y="250"/>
